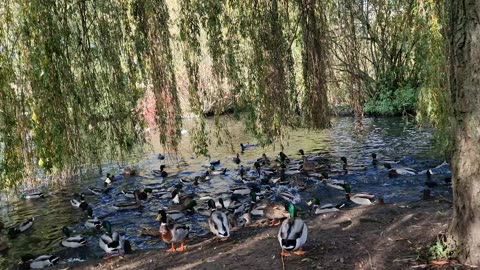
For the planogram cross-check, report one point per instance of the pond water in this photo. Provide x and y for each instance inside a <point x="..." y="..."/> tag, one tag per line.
<point x="389" y="138"/>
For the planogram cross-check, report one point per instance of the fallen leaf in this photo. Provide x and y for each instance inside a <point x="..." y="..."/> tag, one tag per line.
<point x="439" y="262"/>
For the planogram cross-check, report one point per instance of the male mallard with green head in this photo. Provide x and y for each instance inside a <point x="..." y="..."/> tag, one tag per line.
<point x="110" y="241"/>
<point x="292" y="234"/>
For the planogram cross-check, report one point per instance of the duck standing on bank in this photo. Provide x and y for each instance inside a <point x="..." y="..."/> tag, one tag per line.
<point x="292" y="234"/>
<point x="172" y="233"/>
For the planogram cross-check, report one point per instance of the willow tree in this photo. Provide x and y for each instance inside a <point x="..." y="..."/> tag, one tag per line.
<point x="465" y="81"/>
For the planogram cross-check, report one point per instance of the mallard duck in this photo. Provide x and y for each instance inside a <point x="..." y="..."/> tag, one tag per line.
<point x="129" y="205"/>
<point x="212" y="162"/>
<point x="142" y="195"/>
<point x="374" y="159"/>
<point x="72" y="241"/>
<point x="99" y="191"/>
<point x="326" y="208"/>
<point x="111" y="242"/>
<point x="218" y="222"/>
<point x="32" y="195"/>
<point x="161" y="172"/>
<point x="282" y="158"/>
<point x="398" y="170"/>
<point x="213" y="171"/>
<point x="275" y="211"/>
<point x="109" y="179"/>
<point x="186" y="208"/>
<point x="347" y="167"/>
<point x="244" y="147"/>
<point x="129" y="171"/>
<point x="241" y="190"/>
<point x="39" y="262"/>
<point x="308" y="166"/>
<point x="92" y="222"/>
<point x="292" y="234"/>
<point x="183" y="199"/>
<point x="78" y="201"/>
<point x="336" y="184"/>
<point x="237" y="160"/>
<point x="172" y="233"/>
<point x="359" y="198"/>
<point x="264" y="160"/>
<point x="27" y="224"/>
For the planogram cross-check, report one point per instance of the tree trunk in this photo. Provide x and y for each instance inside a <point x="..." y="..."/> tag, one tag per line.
<point x="464" y="231"/>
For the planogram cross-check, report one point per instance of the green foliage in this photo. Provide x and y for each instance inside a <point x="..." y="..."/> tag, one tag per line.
<point x="388" y="102"/>
<point x="72" y="73"/>
<point x="439" y="251"/>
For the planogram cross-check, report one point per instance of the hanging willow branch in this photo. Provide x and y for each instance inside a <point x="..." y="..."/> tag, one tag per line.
<point x="153" y="22"/>
<point x="315" y="104"/>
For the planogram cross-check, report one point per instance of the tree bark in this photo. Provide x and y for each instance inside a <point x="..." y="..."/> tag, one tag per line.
<point x="464" y="231"/>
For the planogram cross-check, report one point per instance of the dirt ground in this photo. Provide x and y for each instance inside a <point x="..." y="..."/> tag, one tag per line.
<point x="369" y="237"/>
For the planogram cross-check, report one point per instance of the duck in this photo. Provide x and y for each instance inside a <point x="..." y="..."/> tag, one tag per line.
<point x="430" y="183"/>
<point x="347" y="167"/>
<point x="32" y="195"/>
<point x="109" y="179"/>
<point x="99" y="191"/>
<point x="293" y="234"/>
<point x="72" y="241"/>
<point x="336" y="184"/>
<point x="374" y="159"/>
<point x="179" y="211"/>
<point x="240" y="190"/>
<point x="161" y="172"/>
<point x="218" y="222"/>
<point x="308" y="166"/>
<point x="359" y="198"/>
<point x="314" y="158"/>
<point x="129" y="171"/>
<point x="78" y="201"/>
<point x="264" y="160"/>
<point x="27" y="224"/>
<point x="129" y="205"/>
<point x="244" y="147"/>
<point x="172" y="233"/>
<point x="212" y="162"/>
<point x="92" y="222"/>
<point x="213" y="171"/>
<point x="326" y="208"/>
<point x="237" y="160"/>
<point x="231" y="214"/>
<point x="111" y="242"/>
<point x="142" y="195"/>
<point x="40" y="262"/>
<point x="282" y="158"/>
<point x="160" y="157"/>
<point x="275" y="211"/>
<point x="443" y="169"/>
<point x="183" y="199"/>
<point x="397" y="170"/>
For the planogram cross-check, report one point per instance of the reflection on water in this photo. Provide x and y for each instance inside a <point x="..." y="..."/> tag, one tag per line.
<point x="390" y="138"/>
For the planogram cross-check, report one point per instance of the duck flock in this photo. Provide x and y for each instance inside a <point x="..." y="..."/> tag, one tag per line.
<point x="271" y="190"/>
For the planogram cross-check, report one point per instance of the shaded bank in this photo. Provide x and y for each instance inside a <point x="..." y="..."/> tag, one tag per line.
<point x="375" y="237"/>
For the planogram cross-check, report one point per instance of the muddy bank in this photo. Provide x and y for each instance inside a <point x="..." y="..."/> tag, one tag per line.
<point x="374" y="237"/>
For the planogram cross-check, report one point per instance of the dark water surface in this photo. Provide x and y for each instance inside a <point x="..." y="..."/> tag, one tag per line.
<point x="390" y="138"/>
